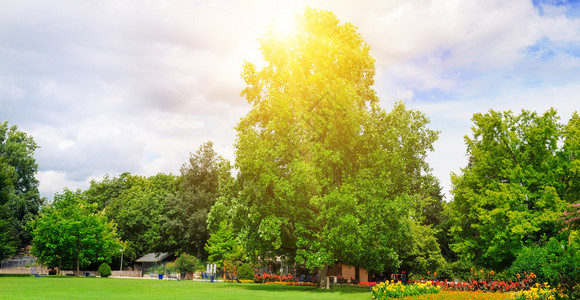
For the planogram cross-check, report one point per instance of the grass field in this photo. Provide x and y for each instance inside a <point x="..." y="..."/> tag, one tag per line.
<point x="52" y="287"/>
<point x="57" y="287"/>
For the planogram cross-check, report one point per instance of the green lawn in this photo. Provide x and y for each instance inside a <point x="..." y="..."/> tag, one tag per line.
<point x="51" y="287"/>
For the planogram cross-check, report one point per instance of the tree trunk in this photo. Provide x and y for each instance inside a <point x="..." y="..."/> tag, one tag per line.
<point x="323" y="277"/>
<point x="357" y="274"/>
<point x="59" y="264"/>
<point x="78" y="265"/>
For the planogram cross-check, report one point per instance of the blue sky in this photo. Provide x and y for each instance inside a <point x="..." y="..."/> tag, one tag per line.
<point x="106" y="87"/>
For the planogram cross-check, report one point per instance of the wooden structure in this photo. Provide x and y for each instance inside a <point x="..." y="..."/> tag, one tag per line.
<point x="152" y="259"/>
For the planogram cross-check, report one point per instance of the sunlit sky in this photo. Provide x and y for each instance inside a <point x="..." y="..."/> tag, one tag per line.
<point x="106" y="87"/>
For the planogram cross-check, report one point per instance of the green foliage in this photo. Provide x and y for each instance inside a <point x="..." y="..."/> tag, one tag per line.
<point x="186" y="263"/>
<point x="8" y="244"/>
<point x="325" y="174"/>
<point x="104" y="270"/>
<point x="171" y="267"/>
<point x="445" y="272"/>
<point x="531" y="260"/>
<point x="245" y="271"/>
<point x="562" y="267"/>
<point x="137" y="205"/>
<point x="460" y="270"/>
<point x="556" y="263"/>
<point x="421" y="254"/>
<point x="72" y="232"/>
<point x="185" y="227"/>
<point x="521" y="174"/>
<point x="19" y="197"/>
<point x="223" y="245"/>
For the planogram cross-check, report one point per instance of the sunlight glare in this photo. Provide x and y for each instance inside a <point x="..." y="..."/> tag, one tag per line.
<point x="283" y="23"/>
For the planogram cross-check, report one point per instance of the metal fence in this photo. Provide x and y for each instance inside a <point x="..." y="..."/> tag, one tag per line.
<point x="18" y="262"/>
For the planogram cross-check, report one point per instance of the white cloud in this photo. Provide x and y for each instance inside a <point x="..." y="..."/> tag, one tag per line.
<point x="109" y="86"/>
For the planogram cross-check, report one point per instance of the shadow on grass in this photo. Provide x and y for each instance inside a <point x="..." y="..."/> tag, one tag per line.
<point x="305" y="289"/>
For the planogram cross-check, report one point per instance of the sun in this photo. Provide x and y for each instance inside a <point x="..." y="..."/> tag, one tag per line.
<point x="283" y="23"/>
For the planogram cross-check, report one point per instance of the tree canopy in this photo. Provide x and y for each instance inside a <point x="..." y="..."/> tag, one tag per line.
<point x="137" y="204"/>
<point x="72" y="232"/>
<point x="19" y="197"/>
<point x="197" y="191"/>
<point x="325" y="174"/>
<point x="522" y="172"/>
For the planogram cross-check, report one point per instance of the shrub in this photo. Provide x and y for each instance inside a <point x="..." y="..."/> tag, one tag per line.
<point x="245" y="271"/>
<point x="460" y="269"/>
<point x="104" y="270"/>
<point x="186" y="263"/>
<point x="170" y="267"/>
<point x="445" y="272"/>
<point x="562" y="269"/>
<point x="230" y="266"/>
<point x="530" y="260"/>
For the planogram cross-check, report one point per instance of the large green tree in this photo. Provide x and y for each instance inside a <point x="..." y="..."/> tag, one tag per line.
<point x="137" y="205"/>
<point x="325" y="174"/>
<point x="197" y="191"/>
<point x="19" y="197"/>
<point x="72" y="232"/>
<point x="522" y="171"/>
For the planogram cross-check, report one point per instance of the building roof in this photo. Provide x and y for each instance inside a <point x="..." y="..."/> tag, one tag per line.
<point x="153" y="257"/>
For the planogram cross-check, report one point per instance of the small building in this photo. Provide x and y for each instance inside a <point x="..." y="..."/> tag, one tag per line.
<point x="151" y="260"/>
<point x="347" y="272"/>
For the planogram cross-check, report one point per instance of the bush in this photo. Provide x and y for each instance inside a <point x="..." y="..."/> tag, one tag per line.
<point x="104" y="270"/>
<point x="555" y="263"/>
<point x="460" y="270"/>
<point x="530" y="260"/>
<point x="445" y="272"/>
<point x="562" y="269"/>
<point x="170" y="268"/>
<point x="245" y="272"/>
<point x="186" y="263"/>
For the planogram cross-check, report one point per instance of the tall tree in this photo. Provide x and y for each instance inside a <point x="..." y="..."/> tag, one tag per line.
<point x="521" y="174"/>
<point x="73" y="233"/>
<point x="102" y="192"/>
<point x="137" y="205"/>
<point x="186" y="225"/>
<point x="325" y="174"/>
<point x="19" y="197"/>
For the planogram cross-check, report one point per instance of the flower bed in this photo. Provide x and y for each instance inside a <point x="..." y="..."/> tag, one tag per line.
<point x="458" y="295"/>
<point x="246" y="280"/>
<point x="264" y="278"/>
<point x="524" y="288"/>
<point x="535" y="293"/>
<point x="484" y="286"/>
<point x="291" y="283"/>
<point x="388" y="289"/>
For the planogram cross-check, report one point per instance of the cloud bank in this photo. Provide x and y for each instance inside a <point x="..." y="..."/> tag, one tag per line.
<point x="106" y="87"/>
